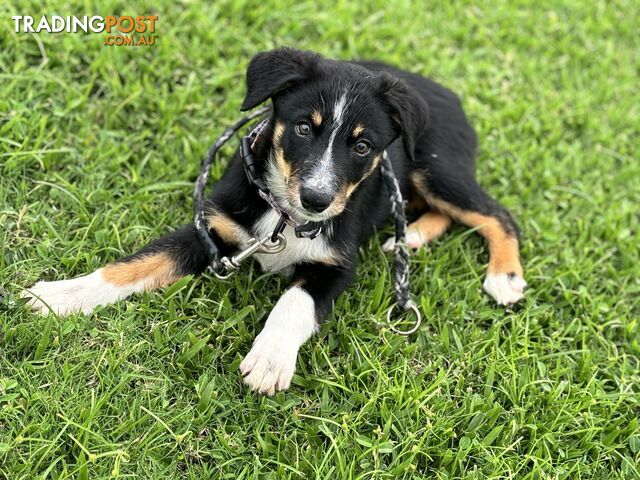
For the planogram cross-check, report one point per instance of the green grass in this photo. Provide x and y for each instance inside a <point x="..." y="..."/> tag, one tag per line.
<point x="99" y="147"/>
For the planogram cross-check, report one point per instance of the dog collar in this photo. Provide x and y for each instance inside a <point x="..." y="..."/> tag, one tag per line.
<point x="247" y="148"/>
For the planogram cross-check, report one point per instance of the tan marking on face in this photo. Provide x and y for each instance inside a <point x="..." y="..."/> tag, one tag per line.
<point x="292" y="189"/>
<point x="357" y="131"/>
<point x="340" y="200"/>
<point x="374" y="165"/>
<point x="283" y="166"/>
<point x="316" y="118"/>
<point x="342" y="197"/>
<point x="338" y="204"/>
<point x="155" y="270"/>
<point x="504" y="252"/>
<point x="350" y="188"/>
<point x="278" y="130"/>
<point x="370" y="170"/>
<point x="227" y="229"/>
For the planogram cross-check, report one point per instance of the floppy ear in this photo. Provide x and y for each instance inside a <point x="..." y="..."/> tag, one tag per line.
<point x="408" y="111"/>
<point x="276" y="70"/>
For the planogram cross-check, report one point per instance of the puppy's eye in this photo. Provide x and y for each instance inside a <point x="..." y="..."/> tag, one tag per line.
<point x="303" y="129"/>
<point x="362" y="148"/>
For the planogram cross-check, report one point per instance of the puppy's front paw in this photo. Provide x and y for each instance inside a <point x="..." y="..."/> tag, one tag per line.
<point x="270" y="364"/>
<point x="505" y="288"/>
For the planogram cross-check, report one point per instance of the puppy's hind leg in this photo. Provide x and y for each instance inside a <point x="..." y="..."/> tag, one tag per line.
<point x="461" y="198"/>
<point x="158" y="264"/>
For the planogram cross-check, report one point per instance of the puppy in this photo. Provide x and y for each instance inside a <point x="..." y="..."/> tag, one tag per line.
<point x="319" y="156"/>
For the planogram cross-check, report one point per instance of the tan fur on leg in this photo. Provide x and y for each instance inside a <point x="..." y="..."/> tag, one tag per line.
<point x="504" y="281"/>
<point x="427" y="228"/>
<point x="109" y="284"/>
<point x="154" y="271"/>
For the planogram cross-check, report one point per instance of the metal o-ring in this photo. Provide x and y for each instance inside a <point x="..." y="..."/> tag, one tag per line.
<point x="413" y="329"/>
<point x="276" y="246"/>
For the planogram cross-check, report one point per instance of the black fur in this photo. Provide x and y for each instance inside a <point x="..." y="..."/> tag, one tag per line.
<point x="274" y="71"/>
<point x="419" y="122"/>
<point x="182" y="245"/>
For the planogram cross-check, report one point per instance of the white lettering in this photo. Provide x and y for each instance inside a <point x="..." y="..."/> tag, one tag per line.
<point x="28" y="22"/>
<point x="57" y="23"/>
<point x="96" y="24"/>
<point x="82" y="23"/>
<point x="43" y="25"/>
<point x="17" y="18"/>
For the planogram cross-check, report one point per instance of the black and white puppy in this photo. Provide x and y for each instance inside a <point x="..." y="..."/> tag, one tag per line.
<point x="331" y="122"/>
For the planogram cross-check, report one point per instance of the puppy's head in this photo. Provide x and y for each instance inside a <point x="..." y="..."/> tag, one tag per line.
<point x="331" y="123"/>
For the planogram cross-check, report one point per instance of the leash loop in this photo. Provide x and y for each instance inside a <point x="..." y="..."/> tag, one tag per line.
<point x="410" y="307"/>
<point x="200" y="222"/>
<point x="400" y="251"/>
<point x="279" y="228"/>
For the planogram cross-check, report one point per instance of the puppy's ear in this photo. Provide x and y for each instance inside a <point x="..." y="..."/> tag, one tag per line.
<point x="408" y="111"/>
<point x="276" y="70"/>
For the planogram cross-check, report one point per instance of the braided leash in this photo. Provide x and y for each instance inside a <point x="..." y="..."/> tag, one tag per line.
<point x="276" y="242"/>
<point x="400" y="251"/>
<point x="210" y="248"/>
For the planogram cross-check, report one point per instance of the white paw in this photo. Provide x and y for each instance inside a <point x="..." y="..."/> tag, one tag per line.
<point x="81" y="294"/>
<point x="270" y="364"/>
<point x="389" y="244"/>
<point x="413" y="238"/>
<point x="506" y="289"/>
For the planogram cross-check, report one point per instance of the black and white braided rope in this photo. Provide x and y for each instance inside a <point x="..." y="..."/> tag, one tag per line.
<point x="199" y="207"/>
<point x="400" y="250"/>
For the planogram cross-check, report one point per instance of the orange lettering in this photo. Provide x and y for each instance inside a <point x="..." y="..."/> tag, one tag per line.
<point x="127" y="19"/>
<point x="152" y="23"/>
<point x="110" y="21"/>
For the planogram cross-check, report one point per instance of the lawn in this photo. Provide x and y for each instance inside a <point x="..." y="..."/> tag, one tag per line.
<point x="99" y="148"/>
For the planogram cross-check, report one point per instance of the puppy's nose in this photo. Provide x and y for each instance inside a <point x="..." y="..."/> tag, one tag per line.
<point x="314" y="200"/>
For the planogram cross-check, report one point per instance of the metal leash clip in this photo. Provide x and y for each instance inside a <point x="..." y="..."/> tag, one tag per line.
<point x="266" y="245"/>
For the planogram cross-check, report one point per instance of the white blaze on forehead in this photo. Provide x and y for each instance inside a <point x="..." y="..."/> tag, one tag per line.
<point x="323" y="175"/>
<point x="338" y="111"/>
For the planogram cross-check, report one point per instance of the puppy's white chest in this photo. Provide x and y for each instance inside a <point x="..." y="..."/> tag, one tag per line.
<point x="298" y="250"/>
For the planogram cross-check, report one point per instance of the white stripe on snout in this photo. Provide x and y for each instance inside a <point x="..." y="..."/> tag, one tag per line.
<point x="323" y="175"/>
